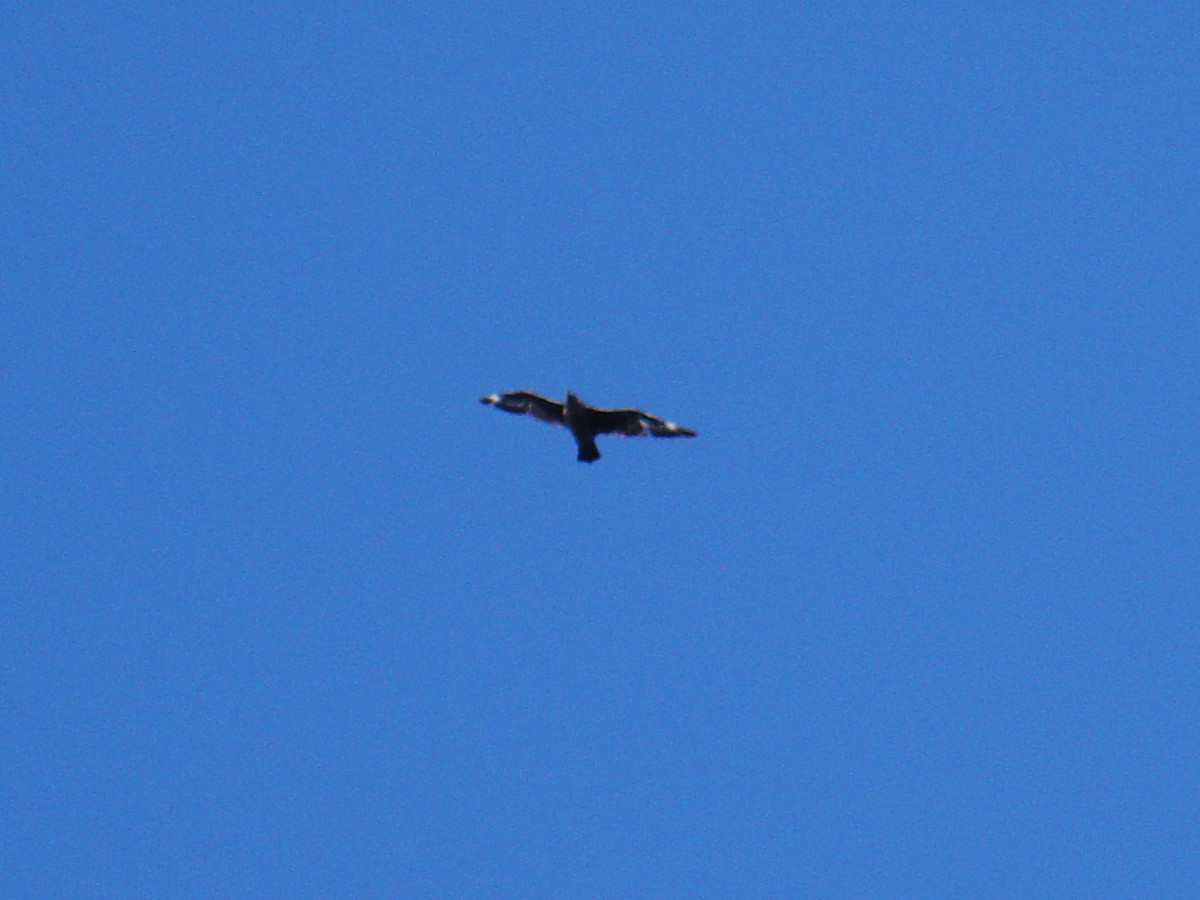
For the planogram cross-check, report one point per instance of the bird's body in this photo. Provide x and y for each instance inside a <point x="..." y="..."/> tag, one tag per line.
<point x="585" y="422"/>
<point x="576" y="415"/>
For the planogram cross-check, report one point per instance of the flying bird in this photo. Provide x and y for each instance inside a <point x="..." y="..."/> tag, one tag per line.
<point x="585" y="421"/>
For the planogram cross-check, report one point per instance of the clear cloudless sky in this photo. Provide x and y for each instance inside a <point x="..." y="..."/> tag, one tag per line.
<point x="286" y="612"/>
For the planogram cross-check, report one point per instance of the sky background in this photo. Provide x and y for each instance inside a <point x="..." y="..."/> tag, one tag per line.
<point x="286" y="612"/>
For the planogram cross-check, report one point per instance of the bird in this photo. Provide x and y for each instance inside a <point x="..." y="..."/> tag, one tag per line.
<point x="585" y="422"/>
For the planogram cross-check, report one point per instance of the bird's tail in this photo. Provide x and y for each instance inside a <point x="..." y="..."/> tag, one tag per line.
<point x="588" y="452"/>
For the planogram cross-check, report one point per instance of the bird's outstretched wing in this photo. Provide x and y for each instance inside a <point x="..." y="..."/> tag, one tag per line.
<point x="529" y="404"/>
<point x="633" y="422"/>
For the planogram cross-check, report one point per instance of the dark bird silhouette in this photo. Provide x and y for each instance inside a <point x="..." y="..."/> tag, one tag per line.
<point x="585" y="421"/>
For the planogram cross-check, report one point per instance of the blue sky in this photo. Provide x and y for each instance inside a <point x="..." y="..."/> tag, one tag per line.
<point x="287" y="612"/>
